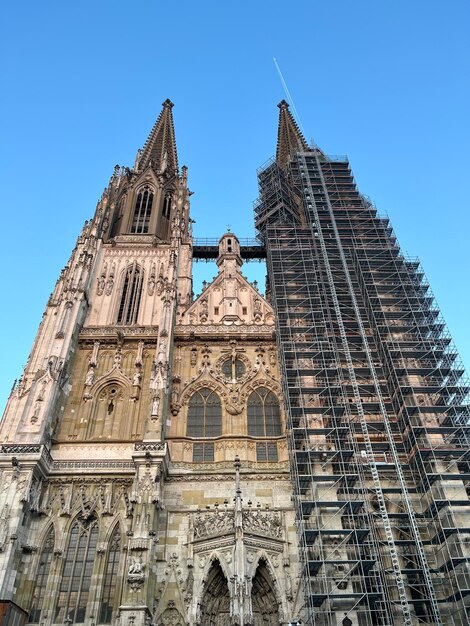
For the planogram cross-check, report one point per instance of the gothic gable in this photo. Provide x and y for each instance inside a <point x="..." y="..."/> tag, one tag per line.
<point x="229" y="300"/>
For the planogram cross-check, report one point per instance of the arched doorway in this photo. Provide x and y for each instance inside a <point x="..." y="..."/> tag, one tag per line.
<point x="263" y="598"/>
<point x="215" y="603"/>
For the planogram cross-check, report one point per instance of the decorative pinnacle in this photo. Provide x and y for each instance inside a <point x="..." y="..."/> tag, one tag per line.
<point x="168" y="104"/>
<point x="283" y="104"/>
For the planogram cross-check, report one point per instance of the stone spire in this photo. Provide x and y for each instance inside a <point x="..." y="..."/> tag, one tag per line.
<point x="160" y="147"/>
<point x="289" y="137"/>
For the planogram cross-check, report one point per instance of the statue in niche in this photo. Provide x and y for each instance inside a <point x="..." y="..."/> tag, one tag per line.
<point x="155" y="406"/>
<point x="161" y="356"/>
<point x="101" y="284"/>
<point x="38" y="403"/>
<point x="204" y="310"/>
<point x="136" y="566"/>
<point x="90" y="375"/>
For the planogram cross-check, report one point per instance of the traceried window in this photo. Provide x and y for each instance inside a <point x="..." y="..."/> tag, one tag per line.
<point x="142" y="211"/>
<point x="116" y="225"/>
<point x="266" y="452"/>
<point x="233" y="369"/>
<point x="203" y="452"/>
<point x="131" y="295"/>
<point x="109" y="594"/>
<point x="80" y="556"/>
<point x="204" y="414"/>
<point x="264" y="415"/>
<point x="41" y="578"/>
<point x="167" y="205"/>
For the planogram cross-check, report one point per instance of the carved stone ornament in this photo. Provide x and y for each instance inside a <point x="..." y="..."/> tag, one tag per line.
<point x="263" y="522"/>
<point x="135" y="574"/>
<point x="213" y="522"/>
<point x="170" y="617"/>
<point x="256" y="521"/>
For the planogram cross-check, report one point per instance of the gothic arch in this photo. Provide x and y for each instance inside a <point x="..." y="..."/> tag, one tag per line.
<point x="108" y="407"/>
<point x="41" y="567"/>
<point x="116" y="523"/>
<point x="119" y="213"/>
<point x="81" y="511"/>
<point x="129" y="294"/>
<point x="168" y="196"/>
<point x="265" y="599"/>
<point x="114" y="376"/>
<point x="204" y="414"/>
<point x="253" y="385"/>
<point x="199" y="384"/>
<point x="261" y="555"/>
<point x="111" y="581"/>
<point x="264" y="417"/>
<point x="142" y="208"/>
<point x="216" y="556"/>
<point x="214" y="602"/>
<point x="79" y="559"/>
<point x="45" y="531"/>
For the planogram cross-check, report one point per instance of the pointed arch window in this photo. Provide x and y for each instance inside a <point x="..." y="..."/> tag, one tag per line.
<point x="167" y="205"/>
<point x="109" y="595"/>
<point x="74" y="588"/>
<point x="264" y="415"/>
<point x="119" y="212"/>
<point x="42" y="575"/>
<point x="142" y="211"/>
<point x="131" y="295"/>
<point x="204" y="414"/>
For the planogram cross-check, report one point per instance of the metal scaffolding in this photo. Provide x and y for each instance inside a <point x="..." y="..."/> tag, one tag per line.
<point x="375" y="397"/>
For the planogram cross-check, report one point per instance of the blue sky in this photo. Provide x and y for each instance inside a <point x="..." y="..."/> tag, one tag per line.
<point x="384" y="82"/>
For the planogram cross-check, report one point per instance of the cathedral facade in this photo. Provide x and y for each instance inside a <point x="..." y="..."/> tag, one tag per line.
<point x="230" y="458"/>
<point x="145" y="475"/>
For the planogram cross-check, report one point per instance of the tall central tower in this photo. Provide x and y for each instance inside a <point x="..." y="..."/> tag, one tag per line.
<point x="374" y="395"/>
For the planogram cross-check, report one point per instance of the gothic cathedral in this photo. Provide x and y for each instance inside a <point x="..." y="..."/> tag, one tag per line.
<point x="144" y="467"/>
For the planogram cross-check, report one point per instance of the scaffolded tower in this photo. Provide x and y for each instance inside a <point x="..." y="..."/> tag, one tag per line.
<point x="375" y="401"/>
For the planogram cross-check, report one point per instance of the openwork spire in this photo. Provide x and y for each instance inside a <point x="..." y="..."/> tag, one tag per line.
<point x="160" y="147"/>
<point x="289" y="137"/>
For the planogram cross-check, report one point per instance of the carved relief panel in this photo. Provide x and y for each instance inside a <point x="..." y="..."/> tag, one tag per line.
<point x="110" y="393"/>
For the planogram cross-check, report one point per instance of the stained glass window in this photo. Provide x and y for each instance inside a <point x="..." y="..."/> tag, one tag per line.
<point x="264" y="416"/>
<point x="76" y="576"/>
<point x="109" y="595"/>
<point x="204" y="414"/>
<point x="41" y="577"/>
